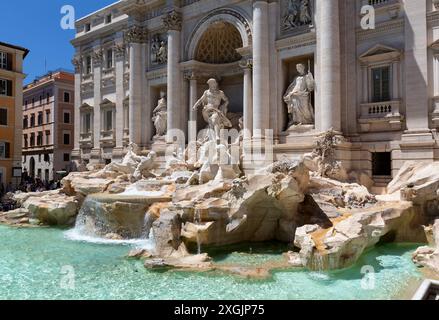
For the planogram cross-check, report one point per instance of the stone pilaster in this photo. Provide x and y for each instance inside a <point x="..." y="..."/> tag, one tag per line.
<point x="261" y="72"/>
<point x="193" y="97"/>
<point x="76" y="153"/>
<point x="119" y="52"/>
<point x="247" y="65"/>
<point x="173" y="23"/>
<point x="328" y="113"/>
<point x="416" y="65"/>
<point x="136" y="37"/>
<point x="97" y="58"/>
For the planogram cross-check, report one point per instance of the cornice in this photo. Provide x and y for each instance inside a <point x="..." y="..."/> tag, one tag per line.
<point x="393" y="26"/>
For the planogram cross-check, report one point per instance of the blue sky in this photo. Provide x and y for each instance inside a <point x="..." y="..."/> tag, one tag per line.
<point x="35" y="25"/>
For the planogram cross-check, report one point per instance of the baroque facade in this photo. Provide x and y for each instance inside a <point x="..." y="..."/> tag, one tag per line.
<point x="48" y="129"/>
<point x="297" y="67"/>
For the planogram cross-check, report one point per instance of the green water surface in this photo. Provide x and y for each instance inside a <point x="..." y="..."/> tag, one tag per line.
<point x="45" y="264"/>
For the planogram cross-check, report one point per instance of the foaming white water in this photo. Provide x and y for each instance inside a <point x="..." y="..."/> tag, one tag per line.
<point x="133" y="191"/>
<point x="76" y="235"/>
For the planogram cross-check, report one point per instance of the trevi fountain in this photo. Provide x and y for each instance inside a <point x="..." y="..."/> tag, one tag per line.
<point x="198" y="227"/>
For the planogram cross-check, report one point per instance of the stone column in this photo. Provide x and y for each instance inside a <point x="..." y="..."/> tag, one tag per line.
<point x="416" y="66"/>
<point x="136" y="38"/>
<point x="97" y="77"/>
<point x="328" y="48"/>
<point x="119" y="52"/>
<point x="193" y="97"/>
<point x="261" y="72"/>
<point x="172" y="22"/>
<point x="248" y="99"/>
<point x="76" y="153"/>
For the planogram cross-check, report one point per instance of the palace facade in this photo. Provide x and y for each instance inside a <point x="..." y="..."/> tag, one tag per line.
<point x="378" y="87"/>
<point x="48" y="129"/>
<point x="11" y="97"/>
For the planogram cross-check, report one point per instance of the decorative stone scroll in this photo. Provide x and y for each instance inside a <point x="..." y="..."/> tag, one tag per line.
<point x="295" y="14"/>
<point x="173" y="21"/>
<point x="136" y="34"/>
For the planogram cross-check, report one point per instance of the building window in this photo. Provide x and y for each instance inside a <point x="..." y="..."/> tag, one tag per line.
<point x="46" y="175"/>
<point x="108" y="120"/>
<point x="32" y="120"/>
<point x="66" y="117"/>
<point x="33" y="102"/>
<point x="88" y="65"/>
<point x="32" y="139"/>
<point x="66" y="139"/>
<point x="67" y="97"/>
<point x="3" y="117"/>
<point x="40" y="118"/>
<point x="3" y="60"/>
<point x="47" y="137"/>
<point x="47" y="97"/>
<point x="39" y="173"/>
<point x="109" y="58"/>
<point x="5" y="150"/>
<point x="6" y="87"/>
<point x="381" y="164"/>
<point x="41" y="100"/>
<point x="381" y="84"/>
<point x="46" y="157"/>
<point x="25" y="122"/>
<point x="48" y="116"/>
<point x="66" y="157"/>
<point x="25" y="141"/>
<point x="87" y="122"/>
<point x="108" y="18"/>
<point x="40" y="139"/>
<point x="87" y="27"/>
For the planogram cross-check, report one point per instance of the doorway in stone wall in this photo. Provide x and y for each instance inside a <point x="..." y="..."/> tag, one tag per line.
<point x="382" y="164"/>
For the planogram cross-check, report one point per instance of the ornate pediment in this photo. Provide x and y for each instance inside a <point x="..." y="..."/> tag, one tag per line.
<point x="380" y="53"/>
<point x="85" y="106"/>
<point x="435" y="45"/>
<point x="107" y="103"/>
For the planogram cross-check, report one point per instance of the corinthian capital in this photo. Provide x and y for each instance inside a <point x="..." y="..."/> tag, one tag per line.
<point x="77" y="63"/>
<point x="173" y="21"/>
<point x="97" y="56"/>
<point x="136" y="34"/>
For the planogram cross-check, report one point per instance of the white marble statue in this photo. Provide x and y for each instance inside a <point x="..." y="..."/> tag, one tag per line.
<point x="298" y="98"/>
<point x="215" y="104"/>
<point x="160" y="116"/>
<point x="162" y="54"/>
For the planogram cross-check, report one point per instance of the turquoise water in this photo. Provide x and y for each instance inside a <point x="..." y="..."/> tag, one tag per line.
<point x="44" y="264"/>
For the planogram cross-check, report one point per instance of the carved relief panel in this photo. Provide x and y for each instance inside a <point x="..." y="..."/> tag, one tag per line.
<point x="296" y="16"/>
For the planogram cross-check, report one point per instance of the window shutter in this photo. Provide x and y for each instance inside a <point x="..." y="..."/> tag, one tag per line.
<point x="7" y="150"/>
<point x="9" y="61"/>
<point x="9" y="88"/>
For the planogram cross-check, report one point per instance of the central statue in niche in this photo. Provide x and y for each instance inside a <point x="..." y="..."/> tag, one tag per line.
<point x="215" y="107"/>
<point x="298" y="98"/>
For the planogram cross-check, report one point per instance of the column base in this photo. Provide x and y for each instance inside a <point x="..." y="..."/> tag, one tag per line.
<point x="96" y="156"/>
<point x="118" y="153"/>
